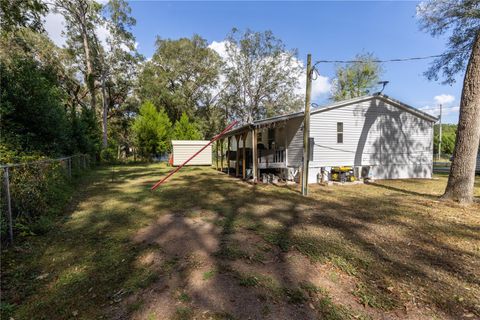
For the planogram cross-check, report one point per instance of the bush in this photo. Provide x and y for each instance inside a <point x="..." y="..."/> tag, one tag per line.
<point x="39" y="191"/>
<point x="42" y="225"/>
<point x="108" y="155"/>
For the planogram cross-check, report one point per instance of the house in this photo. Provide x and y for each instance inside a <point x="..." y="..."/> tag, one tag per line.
<point x="477" y="168"/>
<point x="378" y="136"/>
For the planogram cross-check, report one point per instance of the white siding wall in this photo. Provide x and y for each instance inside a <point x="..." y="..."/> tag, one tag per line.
<point x="184" y="149"/>
<point x="295" y="142"/>
<point x="397" y="143"/>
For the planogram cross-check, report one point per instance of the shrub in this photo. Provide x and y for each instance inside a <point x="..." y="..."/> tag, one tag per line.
<point x="38" y="191"/>
<point x="108" y="155"/>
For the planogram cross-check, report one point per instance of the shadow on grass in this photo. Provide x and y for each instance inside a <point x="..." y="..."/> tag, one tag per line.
<point x="89" y="264"/>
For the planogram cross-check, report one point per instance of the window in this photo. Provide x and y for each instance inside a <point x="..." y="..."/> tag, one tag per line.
<point x="339" y="132"/>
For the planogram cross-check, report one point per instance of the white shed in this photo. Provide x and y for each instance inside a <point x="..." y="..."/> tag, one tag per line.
<point x="184" y="149"/>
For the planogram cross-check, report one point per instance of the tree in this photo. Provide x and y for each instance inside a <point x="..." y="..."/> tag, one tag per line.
<point x="462" y="18"/>
<point x="119" y="62"/>
<point x="449" y="133"/>
<point x="82" y="17"/>
<point x="261" y="76"/>
<point x="31" y="104"/>
<point x="357" y="78"/>
<point x="40" y="105"/>
<point x="16" y="14"/>
<point x="152" y="129"/>
<point x="181" y="76"/>
<point x="185" y="130"/>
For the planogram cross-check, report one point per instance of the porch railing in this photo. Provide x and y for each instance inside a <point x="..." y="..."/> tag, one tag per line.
<point x="273" y="156"/>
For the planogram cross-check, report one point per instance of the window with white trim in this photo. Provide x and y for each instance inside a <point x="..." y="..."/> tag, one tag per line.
<point x="339" y="132"/>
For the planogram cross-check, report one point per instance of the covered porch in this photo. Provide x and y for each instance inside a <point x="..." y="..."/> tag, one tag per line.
<point x="247" y="150"/>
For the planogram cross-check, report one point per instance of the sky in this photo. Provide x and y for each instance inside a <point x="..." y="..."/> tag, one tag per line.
<point x="327" y="30"/>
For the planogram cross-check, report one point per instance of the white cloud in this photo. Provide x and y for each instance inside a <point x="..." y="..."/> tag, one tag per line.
<point x="219" y="47"/>
<point x="320" y="86"/>
<point x="444" y="99"/>
<point x="103" y="33"/>
<point x="54" y="25"/>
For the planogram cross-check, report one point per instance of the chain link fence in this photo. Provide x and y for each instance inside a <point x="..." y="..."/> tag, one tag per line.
<point x="32" y="191"/>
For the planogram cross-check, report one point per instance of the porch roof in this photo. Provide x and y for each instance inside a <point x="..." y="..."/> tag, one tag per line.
<point x="263" y="123"/>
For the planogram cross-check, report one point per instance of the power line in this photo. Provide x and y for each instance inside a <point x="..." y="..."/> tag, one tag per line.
<point x="438" y="107"/>
<point x="380" y="61"/>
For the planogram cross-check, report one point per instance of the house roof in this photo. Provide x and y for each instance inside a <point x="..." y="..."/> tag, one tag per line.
<point x="385" y="98"/>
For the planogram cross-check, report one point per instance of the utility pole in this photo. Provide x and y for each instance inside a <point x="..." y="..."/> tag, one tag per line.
<point x="440" y="135"/>
<point x="306" y="127"/>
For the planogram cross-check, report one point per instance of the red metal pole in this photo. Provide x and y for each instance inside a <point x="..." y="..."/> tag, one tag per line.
<point x="218" y="136"/>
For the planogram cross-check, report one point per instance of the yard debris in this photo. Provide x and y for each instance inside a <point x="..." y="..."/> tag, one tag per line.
<point x="42" y="276"/>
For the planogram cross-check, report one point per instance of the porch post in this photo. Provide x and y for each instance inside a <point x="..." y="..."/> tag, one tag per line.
<point x="228" y="155"/>
<point x="254" y="154"/>
<point x="216" y="155"/>
<point x="286" y="143"/>
<point x="221" y="155"/>
<point x="237" y="155"/>
<point x="244" y="157"/>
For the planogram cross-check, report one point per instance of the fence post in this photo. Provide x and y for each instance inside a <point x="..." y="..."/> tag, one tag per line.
<point x="9" y="204"/>
<point x="70" y="167"/>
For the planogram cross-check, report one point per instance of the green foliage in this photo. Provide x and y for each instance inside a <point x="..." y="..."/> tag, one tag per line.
<point x="261" y="76"/>
<point x="461" y="21"/>
<point x="108" y="155"/>
<point x="152" y="129"/>
<point x="185" y="130"/>
<point x="39" y="192"/>
<point x="183" y="313"/>
<point x="31" y="108"/>
<point x="183" y="297"/>
<point x="16" y="14"/>
<point x="449" y="133"/>
<point x="34" y="94"/>
<point x="207" y="275"/>
<point x="181" y="76"/>
<point x="356" y="79"/>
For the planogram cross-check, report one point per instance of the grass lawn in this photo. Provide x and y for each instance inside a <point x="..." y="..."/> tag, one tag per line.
<point x="208" y="246"/>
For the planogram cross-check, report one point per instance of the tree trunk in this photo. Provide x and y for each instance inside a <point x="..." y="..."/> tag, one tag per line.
<point x="462" y="172"/>
<point x="104" y="118"/>
<point x="90" y="77"/>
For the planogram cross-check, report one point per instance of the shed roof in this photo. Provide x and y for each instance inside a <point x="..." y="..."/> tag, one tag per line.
<point x="190" y="142"/>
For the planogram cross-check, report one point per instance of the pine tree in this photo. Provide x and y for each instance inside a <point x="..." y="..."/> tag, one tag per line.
<point x="152" y="129"/>
<point x="186" y="130"/>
